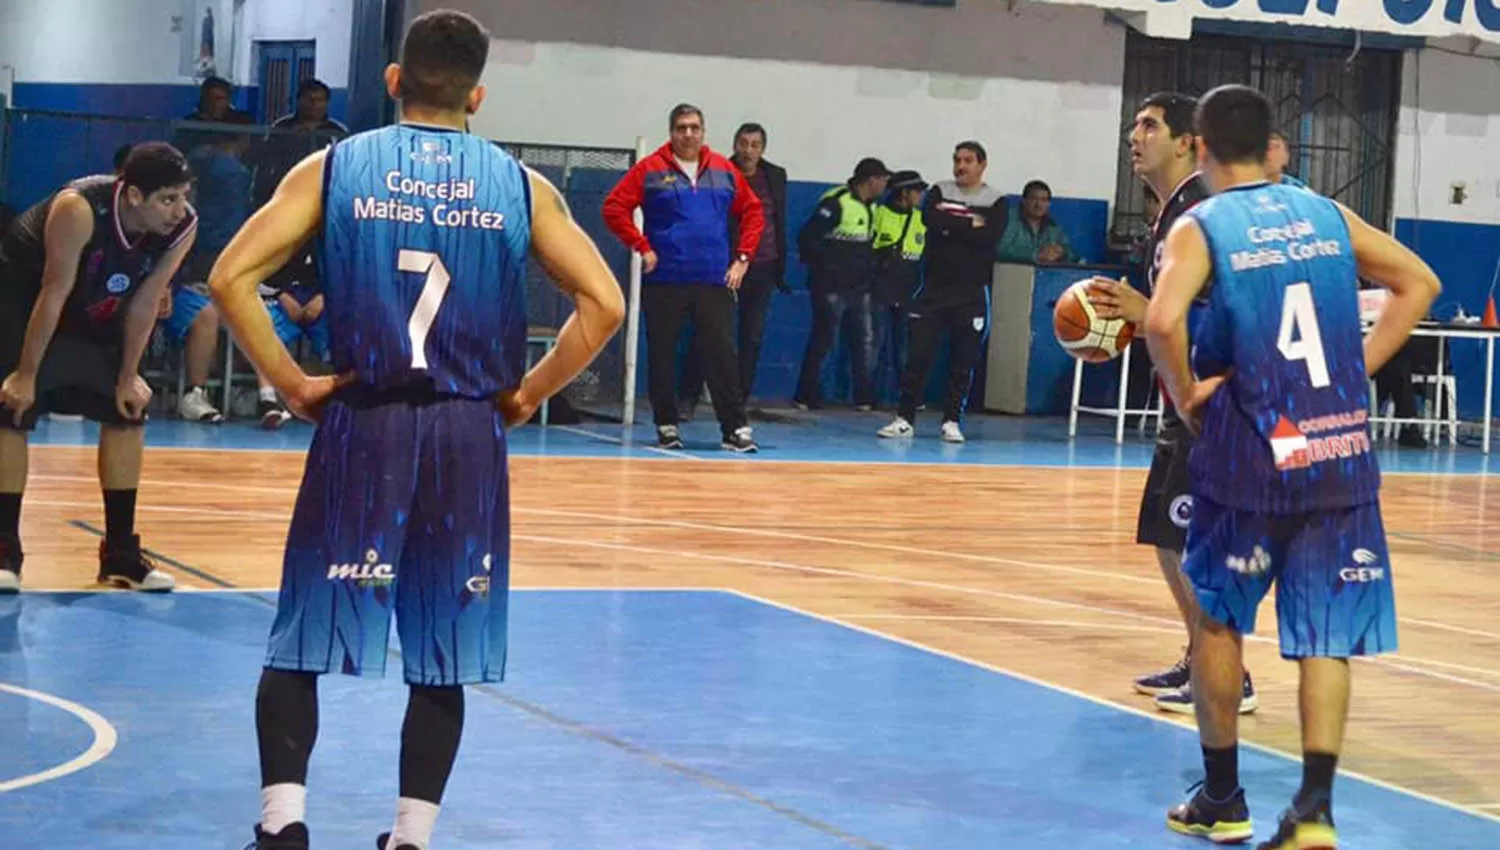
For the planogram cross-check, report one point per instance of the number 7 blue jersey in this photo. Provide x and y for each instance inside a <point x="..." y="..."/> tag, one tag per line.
<point x="1289" y="431"/>
<point x="425" y="239"/>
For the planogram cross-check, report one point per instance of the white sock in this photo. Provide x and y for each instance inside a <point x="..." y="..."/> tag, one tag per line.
<point x="281" y="805"/>
<point x="414" y="820"/>
<point x="267" y="393"/>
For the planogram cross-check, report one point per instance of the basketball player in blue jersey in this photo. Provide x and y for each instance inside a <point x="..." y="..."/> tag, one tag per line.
<point x="425" y="233"/>
<point x="1285" y="481"/>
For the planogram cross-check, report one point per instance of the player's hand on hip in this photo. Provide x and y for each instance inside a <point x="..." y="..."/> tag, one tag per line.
<point x="736" y="274"/>
<point x="516" y="407"/>
<point x="648" y="262"/>
<point x="132" y="394"/>
<point x="1116" y="299"/>
<point x="1191" y="407"/>
<point x="307" y="399"/>
<point x="18" y="394"/>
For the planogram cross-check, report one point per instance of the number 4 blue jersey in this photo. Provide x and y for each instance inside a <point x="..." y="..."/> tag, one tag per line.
<point x="425" y="239"/>
<point x="1289" y="433"/>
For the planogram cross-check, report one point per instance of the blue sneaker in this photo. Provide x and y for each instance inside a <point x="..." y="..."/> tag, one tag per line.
<point x="1172" y="679"/>
<point x="1304" y="831"/>
<point x="1180" y="701"/>
<point x="1226" y="822"/>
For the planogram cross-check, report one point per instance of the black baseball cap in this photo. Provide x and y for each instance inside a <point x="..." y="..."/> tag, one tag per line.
<point x="870" y="167"/>
<point x="906" y="180"/>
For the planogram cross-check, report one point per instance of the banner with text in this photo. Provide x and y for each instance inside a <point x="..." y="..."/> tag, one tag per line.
<point x="1416" y="18"/>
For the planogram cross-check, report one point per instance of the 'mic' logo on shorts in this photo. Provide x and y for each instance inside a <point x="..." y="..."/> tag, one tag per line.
<point x="371" y="570"/>
<point x="1258" y="564"/>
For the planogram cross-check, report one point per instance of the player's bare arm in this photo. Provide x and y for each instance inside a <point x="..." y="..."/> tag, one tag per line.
<point x="1186" y="267"/>
<point x="1413" y="286"/>
<point x="70" y="226"/>
<point x="263" y="245"/>
<point x="577" y="269"/>
<point x="132" y="393"/>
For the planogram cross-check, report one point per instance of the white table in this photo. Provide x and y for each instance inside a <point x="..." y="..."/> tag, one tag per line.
<point x="1441" y="330"/>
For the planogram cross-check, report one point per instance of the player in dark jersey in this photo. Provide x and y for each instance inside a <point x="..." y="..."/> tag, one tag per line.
<point x="81" y="275"/>
<point x="1161" y="151"/>
<point x="425" y="234"/>
<point x="1285" y="475"/>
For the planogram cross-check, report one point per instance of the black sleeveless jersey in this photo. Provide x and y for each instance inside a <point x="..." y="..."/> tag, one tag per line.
<point x="1186" y="196"/>
<point x="111" y="268"/>
<point x="1183" y="198"/>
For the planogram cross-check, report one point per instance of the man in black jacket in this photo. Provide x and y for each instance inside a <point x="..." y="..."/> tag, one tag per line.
<point x="767" y="268"/>
<point x="965" y="217"/>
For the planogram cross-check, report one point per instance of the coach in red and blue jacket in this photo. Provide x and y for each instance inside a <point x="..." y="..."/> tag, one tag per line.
<point x="689" y="196"/>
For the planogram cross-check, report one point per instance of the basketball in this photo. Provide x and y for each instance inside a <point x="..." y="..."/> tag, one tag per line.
<point x="1081" y="332"/>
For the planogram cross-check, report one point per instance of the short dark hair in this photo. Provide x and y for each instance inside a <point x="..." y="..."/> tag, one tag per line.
<point x="1235" y="123"/>
<point x="1177" y="110"/>
<point x="751" y="127"/>
<point x="1037" y="184"/>
<point x="153" y="166"/>
<point x="122" y="153"/>
<point x="974" y="148"/>
<point x="442" y="59"/>
<point x="312" y="84"/>
<point x="682" y="109"/>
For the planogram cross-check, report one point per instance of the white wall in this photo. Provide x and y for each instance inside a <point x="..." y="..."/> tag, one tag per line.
<point x="328" y="22"/>
<point x="107" y="41"/>
<point x="1449" y="132"/>
<point x="602" y="72"/>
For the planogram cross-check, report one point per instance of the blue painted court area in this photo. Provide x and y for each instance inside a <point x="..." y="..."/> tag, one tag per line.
<point x="833" y="436"/>
<point x="631" y="719"/>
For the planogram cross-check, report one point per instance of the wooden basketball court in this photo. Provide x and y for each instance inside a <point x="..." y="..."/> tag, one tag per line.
<point x="1029" y="570"/>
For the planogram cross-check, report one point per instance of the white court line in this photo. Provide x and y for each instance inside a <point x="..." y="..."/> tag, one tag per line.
<point x="731" y="529"/>
<point x="1020" y="621"/>
<point x="980" y="591"/>
<point x="762" y="460"/>
<point x="105" y="739"/>
<point x="952" y="588"/>
<point x="681" y="455"/>
<point x="1476" y="811"/>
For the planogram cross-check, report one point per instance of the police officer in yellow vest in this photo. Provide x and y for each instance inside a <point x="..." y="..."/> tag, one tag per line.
<point x="900" y="236"/>
<point x="836" y="246"/>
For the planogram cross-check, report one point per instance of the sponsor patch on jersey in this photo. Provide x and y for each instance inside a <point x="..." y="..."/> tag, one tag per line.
<point x="117" y="283"/>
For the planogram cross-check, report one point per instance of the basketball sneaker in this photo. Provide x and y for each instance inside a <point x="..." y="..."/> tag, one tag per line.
<point x="951" y="432"/>
<point x="1180" y="701"/>
<point x="10" y="564"/>
<point x="740" y="441"/>
<point x="386" y="837"/>
<point x="124" y="565"/>
<point x="272" y="414"/>
<point x="1172" y="679"/>
<point x="899" y="427"/>
<point x="1303" y="831"/>
<point x="195" y="407"/>
<point x="293" y="836"/>
<point x="1226" y="822"/>
<point x="668" y="437"/>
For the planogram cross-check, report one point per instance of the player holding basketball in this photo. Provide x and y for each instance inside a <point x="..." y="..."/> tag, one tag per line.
<point x="1161" y="151"/>
<point x="404" y="505"/>
<point x="81" y="275"/>
<point x="1287" y="482"/>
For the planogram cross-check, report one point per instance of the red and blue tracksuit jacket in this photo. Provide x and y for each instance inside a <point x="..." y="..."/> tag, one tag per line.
<point x="687" y="226"/>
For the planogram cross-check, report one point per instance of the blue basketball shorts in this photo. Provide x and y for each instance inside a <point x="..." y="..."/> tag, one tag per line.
<point x="404" y="508"/>
<point x="1331" y="569"/>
